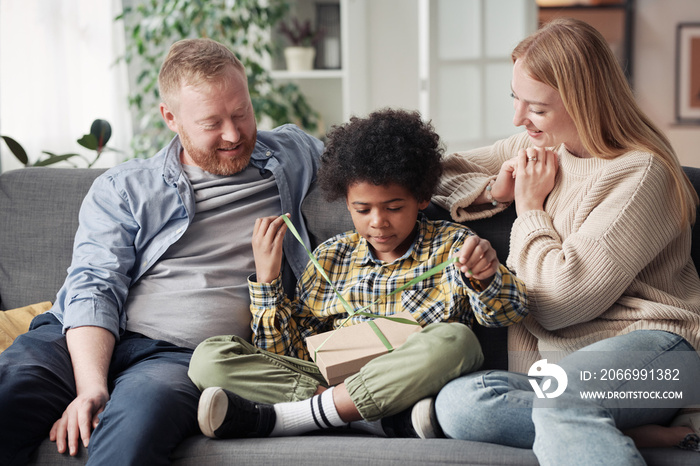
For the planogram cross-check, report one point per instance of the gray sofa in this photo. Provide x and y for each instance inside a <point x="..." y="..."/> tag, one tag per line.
<point x="38" y="218"/>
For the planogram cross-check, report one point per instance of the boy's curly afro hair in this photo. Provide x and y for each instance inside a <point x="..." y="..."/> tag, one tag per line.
<point x="387" y="147"/>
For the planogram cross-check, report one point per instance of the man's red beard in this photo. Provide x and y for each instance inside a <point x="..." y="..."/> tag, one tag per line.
<point x="212" y="161"/>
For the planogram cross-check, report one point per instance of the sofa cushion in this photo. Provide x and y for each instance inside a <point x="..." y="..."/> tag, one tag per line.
<point x="16" y="322"/>
<point x="327" y="447"/>
<point x="324" y="219"/>
<point x="39" y="212"/>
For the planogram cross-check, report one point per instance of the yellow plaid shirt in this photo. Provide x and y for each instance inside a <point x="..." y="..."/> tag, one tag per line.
<point x="280" y="325"/>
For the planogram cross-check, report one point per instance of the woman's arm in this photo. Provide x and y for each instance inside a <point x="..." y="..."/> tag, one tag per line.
<point x="467" y="174"/>
<point x="581" y="255"/>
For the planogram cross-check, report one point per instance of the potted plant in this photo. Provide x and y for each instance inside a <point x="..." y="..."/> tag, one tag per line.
<point x="303" y="39"/>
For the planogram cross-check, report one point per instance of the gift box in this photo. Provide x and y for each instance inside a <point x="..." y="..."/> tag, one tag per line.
<point x="350" y="348"/>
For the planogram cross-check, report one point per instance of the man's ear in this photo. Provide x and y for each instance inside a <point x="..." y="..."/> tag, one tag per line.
<point x="168" y="117"/>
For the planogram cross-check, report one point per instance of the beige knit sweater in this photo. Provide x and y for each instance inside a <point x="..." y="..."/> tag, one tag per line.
<point x="606" y="257"/>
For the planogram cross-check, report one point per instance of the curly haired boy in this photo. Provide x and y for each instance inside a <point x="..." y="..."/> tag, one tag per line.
<point x="386" y="166"/>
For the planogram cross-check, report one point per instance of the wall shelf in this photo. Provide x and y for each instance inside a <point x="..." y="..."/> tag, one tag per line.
<point x="336" y="93"/>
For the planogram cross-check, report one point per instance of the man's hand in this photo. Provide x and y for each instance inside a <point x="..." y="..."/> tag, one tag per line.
<point x="78" y="421"/>
<point x="91" y="350"/>
<point x="268" y="236"/>
<point x="477" y="259"/>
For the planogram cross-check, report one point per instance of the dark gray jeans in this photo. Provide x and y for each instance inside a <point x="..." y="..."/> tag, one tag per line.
<point x="152" y="406"/>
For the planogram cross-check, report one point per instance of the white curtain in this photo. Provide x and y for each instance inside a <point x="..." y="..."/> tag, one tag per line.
<point x="58" y="73"/>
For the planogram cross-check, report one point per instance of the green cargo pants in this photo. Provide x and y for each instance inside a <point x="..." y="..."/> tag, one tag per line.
<point x="386" y="385"/>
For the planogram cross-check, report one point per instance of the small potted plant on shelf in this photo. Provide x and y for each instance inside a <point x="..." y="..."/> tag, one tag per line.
<point x="303" y="38"/>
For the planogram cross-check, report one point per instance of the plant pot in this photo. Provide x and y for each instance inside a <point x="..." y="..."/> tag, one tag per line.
<point x="299" y="58"/>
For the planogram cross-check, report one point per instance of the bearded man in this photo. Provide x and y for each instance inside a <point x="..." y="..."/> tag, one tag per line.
<point x="160" y="263"/>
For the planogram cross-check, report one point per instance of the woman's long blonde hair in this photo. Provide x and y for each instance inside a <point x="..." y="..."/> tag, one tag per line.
<point x="574" y="58"/>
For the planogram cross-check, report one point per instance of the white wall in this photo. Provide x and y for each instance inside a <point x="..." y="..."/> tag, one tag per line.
<point x="393" y="54"/>
<point x="654" y="69"/>
<point x="57" y="75"/>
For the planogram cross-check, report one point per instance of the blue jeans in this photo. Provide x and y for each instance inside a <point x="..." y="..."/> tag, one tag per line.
<point x="152" y="406"/>
<point x="502" y="407"/>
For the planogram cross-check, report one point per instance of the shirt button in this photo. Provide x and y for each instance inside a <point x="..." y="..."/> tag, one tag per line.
<point x="268" y="154"/>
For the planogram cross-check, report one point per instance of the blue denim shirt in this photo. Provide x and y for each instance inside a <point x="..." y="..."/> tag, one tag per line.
<point x="135" y="211"/>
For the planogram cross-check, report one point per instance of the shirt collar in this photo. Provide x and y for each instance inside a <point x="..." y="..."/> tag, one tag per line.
<point x="171" y="161"/>
<point x="261" y="154"/>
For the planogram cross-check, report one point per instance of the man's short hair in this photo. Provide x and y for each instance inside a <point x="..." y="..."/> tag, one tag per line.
<point x="387" y="147"/>
<point x="192" y="62"/>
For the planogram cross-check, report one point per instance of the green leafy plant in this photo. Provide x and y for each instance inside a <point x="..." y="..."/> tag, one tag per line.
<point x="242" y="25"/>
<point x="96" y="139"/>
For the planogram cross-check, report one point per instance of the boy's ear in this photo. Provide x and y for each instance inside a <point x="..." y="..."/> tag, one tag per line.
<point x="423" y="204"/>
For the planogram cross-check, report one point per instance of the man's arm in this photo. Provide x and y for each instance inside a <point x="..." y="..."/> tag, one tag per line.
<point x="104" y="255"/>
<point x="90" y="300"/>
<point x="90" y="349"/>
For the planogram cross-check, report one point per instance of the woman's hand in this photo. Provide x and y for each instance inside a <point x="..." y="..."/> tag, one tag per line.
<point x="535" y="172"/>
<point x="268" y="236"/>
<point x="477" y="259"/>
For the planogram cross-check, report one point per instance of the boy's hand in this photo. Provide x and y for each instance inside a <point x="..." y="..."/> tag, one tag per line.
<point x="503" y="189"/>
<point x="477" y="259"/>
<point x="268" y="235"/>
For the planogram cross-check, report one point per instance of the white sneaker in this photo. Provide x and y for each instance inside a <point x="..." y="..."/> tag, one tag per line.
<point x="688" y="417"/>
<point x="418" y="421"/>
<point x="424" y="419"/>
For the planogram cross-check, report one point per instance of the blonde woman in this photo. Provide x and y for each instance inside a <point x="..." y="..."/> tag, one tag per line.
<point x="602" y="241"/>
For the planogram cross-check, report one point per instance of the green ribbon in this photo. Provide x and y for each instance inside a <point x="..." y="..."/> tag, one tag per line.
<point x="385" y="341"/>
<point x="361" y="311"/>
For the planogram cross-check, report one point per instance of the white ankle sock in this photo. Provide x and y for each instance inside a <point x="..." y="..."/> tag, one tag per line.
<point x="299" y="417"/>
